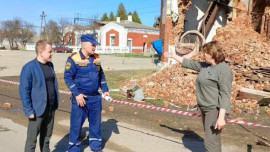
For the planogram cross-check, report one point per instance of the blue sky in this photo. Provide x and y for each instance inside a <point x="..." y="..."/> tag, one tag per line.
<point x="30" y="10"/>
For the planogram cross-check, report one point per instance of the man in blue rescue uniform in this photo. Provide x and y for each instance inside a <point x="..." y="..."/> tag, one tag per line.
<point x="84" y="76"/>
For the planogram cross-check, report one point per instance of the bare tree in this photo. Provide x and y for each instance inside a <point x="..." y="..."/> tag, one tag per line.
<point x="54" y="36"/>
<point x="11" y="31"/>
<point x="26" y="33"/>
<point x="62" y="27"/>
<point x="1" y="35"/>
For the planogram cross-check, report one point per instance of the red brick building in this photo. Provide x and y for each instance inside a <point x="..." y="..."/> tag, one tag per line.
<point x="136" y="37"/>
<point x="118" y="36"/>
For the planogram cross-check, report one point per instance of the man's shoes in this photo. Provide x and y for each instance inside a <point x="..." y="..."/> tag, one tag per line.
<point x="97" y="151"/>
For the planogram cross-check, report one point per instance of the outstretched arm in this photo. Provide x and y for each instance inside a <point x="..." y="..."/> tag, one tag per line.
<point x="186" y="62"/>
<point x="172" y="55"/>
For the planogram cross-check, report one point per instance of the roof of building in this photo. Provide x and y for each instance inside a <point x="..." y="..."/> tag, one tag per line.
<point x="129" y="24"/>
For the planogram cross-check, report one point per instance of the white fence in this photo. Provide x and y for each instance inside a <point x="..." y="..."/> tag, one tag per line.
<point x="30" y="46"/>
<point x="99" y="49"/>
<point x="111" y="50"/>
<point x="105" y="50"/>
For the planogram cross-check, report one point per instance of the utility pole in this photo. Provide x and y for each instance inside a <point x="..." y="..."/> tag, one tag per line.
<point x="76" y="18"/>
<point x="41" y="26"/>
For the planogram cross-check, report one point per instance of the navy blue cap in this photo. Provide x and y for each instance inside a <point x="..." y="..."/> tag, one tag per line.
<point x="89" y="38"/>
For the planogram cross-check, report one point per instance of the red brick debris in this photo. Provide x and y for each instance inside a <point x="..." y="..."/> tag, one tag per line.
<point x="248" y="53"/>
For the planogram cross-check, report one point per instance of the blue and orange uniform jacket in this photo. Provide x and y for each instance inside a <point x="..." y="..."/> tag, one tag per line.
<point x="84" y="75"/>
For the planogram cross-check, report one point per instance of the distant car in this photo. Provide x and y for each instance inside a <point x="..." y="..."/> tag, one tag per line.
<point x="62" y="49"/>
<point x="2" y="47"/>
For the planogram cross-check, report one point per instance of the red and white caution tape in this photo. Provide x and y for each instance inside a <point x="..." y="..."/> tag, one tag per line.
<point x="65" y="92"/>
<point x="247" y="123"/>
<point x="178" y="112"/>
<point x="17" y="83"/>
<point x="10" y="82"/>
<point x="184" y="113"/>
<point x="158" y="108"/>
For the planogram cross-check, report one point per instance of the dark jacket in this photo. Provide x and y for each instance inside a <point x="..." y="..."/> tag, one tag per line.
<point x="33" y="91"/>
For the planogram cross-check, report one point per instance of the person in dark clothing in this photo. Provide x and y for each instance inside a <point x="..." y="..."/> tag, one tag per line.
<point x="39" y="95"/>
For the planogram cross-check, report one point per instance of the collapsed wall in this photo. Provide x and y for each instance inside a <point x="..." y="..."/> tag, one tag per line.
<point x="178" y="27"/>
<point x="248" y="52"/>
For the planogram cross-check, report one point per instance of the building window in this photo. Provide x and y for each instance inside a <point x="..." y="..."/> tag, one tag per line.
<point x="112" y="40"/>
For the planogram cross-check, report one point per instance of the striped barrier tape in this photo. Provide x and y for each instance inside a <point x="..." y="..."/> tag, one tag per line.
<point x="178" y="112"/>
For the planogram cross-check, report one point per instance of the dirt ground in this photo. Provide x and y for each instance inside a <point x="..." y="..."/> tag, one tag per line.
<point x="129" y="129"/>
<point x="189" y="129"/>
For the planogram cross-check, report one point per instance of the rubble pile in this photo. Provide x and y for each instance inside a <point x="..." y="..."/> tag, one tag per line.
<point x="174" y="84"/>
<point x="248" y="56"/>
<point x="242" y="43"/>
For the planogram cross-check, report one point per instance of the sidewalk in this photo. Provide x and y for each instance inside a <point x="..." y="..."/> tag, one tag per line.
<point x="118" y="137"/>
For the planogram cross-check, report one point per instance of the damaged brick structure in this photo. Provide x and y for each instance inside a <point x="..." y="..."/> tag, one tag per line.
<point x="169" y="30"/>
<point x="248" y="56"/>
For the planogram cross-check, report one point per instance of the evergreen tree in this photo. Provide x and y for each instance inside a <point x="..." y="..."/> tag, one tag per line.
<point x="136" y="18"/>
<point x="121" y="12"/>
<point x="111" y="18"/>
<point x="105" y="17"/>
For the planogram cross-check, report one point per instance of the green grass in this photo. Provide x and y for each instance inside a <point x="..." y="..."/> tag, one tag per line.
<point x="155" y="102"/>
<point x="115" y="80"/>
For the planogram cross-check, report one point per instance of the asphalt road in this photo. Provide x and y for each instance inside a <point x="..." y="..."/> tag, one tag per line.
<point x="11" y="62"/>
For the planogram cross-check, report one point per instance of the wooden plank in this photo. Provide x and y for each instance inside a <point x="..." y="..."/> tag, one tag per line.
<point x="264" y="102"/>
<point x="262" y="72"/>
<point x="211" y="20"/>
<point x="268" y="28"/>
<point x="262" y="26"/>
<point x="202" y="25"/>
<point x="250" y="6"/>
<point x="245" y="93"/>
<point x="235" y="4"/>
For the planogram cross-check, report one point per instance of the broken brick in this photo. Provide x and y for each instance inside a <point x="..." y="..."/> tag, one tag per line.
<point x="238" y="111"/>
<point x="7" y="105"/>
<point x="111" y="108"/>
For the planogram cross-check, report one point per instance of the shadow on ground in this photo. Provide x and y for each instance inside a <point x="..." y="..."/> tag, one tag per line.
<point x="107" y="128"/>
<point x="191" y="140"/>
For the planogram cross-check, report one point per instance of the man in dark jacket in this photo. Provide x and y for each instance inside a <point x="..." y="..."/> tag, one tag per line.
<point x="39" y="96"/>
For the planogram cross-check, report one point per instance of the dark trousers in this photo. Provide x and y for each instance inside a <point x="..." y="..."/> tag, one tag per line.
<point x="42" y="126"/>
<point x="212" y="136"/>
